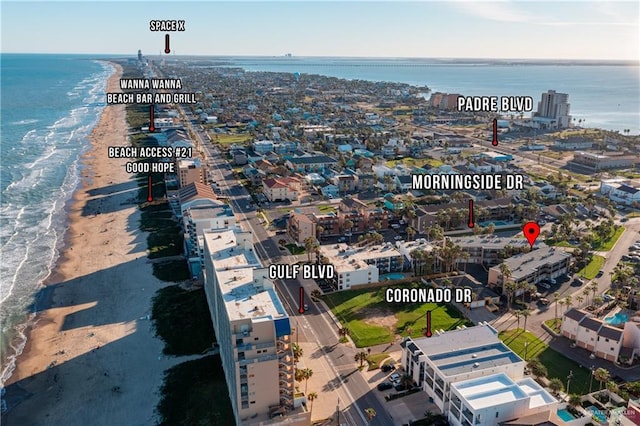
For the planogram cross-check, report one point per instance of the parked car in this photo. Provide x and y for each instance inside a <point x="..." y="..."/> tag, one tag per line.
<point x="385" y="386"/>
<point x="544" y="285"/>
<point x="395" y="378"/>
<point x="400" y="387"/>
<point x="543" y="301"/>
<point x="600" y="273"/>
<point x="388" y="367"/>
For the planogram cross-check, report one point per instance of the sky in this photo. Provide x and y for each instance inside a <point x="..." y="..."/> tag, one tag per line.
<point x="607" y="30"/>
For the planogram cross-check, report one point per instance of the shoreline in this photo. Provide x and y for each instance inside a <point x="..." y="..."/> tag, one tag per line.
<point x="91" y="352"/>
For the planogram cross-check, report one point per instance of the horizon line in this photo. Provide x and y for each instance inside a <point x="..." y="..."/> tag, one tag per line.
<point x="282" y="56"/>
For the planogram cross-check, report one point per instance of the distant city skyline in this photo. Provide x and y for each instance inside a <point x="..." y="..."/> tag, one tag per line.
<point x="572" y="30"/>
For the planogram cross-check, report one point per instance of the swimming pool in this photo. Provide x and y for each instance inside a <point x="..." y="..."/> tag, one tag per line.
<point x="617" y="318"/>
<point x="495" y="223"/>
<point x="565" y="415"/>
<point x="392" y="276"/>
<point x="597" y="413"/>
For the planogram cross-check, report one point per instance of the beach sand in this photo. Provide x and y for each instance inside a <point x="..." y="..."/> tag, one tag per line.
<point x="92" y="357"/>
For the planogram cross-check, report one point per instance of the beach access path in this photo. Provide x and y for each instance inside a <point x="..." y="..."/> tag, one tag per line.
<point x="92" y="357"/>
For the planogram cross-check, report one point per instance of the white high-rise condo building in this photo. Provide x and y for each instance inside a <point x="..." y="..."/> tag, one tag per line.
<point x="253" y="332"/>
<point x="553" y="110"/>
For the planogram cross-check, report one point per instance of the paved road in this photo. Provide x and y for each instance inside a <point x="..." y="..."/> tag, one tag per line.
<point x="316" y="325"/>
<point x="534" y="322"/>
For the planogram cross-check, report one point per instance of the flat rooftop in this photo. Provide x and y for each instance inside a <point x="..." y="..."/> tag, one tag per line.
<point x="342" y="254"/>
<point x="492" y="242"/>
<point x="207" y="212"/>
<point x="498" y="389"/>
<point x="242" y="280"/>
<point x="473" y="359"/>
<point x="524" y="264"/>
<point x="458" y="340"/>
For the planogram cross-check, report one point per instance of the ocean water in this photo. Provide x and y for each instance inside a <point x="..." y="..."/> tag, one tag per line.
<point x="50" y="104"/>
<point x="604" y="96"/>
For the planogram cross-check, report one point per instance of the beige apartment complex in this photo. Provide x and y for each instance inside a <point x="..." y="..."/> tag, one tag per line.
<point x="253" y="332"/>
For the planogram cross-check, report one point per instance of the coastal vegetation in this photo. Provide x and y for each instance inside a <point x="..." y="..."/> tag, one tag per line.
<point x="557" y="365"/>
<point x="181" y="319"/>
<point x="372" y="321"/>
<point x="195" y="393"/>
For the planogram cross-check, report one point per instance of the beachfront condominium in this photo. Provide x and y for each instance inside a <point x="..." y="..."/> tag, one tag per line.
<point x="253" y="332"/>
<point x="553" y="110"/>
<point x="453" y="356"/>
<point x="473" y="377"/>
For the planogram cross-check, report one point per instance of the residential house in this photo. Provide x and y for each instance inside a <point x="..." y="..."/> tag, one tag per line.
<point x="281" y="189"/>
<point x="621" y="191"/>
<point x="310" y="163"/>
<point x="593" y="334"/>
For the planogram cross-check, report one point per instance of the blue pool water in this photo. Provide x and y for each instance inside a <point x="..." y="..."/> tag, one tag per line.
<point x="495" y="223"/>
<point x="565" y="415"/>
<point x="597" y="413"/>
<point x="617" y="318"/>
<point x="392" y="276"/>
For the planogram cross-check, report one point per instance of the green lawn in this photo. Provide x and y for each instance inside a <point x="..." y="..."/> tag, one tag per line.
<point x="372" y="321"/>
<point x="561" y="244"/>
<point x="557" y="365"/>
<point x="433" y="162"/>
<point x="295" y="249"/>
<point x="326" y="208"/>
<point x="591" y="270"/>
<point x="230" y="138"/>
<point x="376" y="360"/>
<point x="610" y="242"/>
<point x="554" y="324"/>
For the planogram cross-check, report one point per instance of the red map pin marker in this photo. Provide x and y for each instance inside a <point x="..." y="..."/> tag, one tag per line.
<point x="531" y="231"/>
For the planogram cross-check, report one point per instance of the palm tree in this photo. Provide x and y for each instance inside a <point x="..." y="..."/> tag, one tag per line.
<point x="555" y="385"/>
<point x="518" y="314"/>
<point x="506" y="272"/>
<point x="579" y="299"/>
<point x="410" y="232"/>
<point x="594" y="289"/>
<point x="575" y="400"/>
<point x="568" y="302"/>
<point x="509" y="290"/>
<point x="306" y="375"/>
<point x="556" y="297"/>
<point x="537" y="368"/>
<point x="406" y="381"/>
<point x="311" y="397"/>
<point x="525" y="314"/>
<point x="297" y="352"/>
<point x="343" y="333"/>
<point x="612" y="387"/>
<point x="360" y="356"/>
<point x="524" y="286"/>
<point x="348" y="226"/>
<point x="586" y="292"/>
<point x="310" y="244"/>
<point x="602" y="375"/>
<point x="370" y="413"/>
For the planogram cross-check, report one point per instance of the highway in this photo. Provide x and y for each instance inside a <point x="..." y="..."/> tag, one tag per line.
<point x="316" y="325"/>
